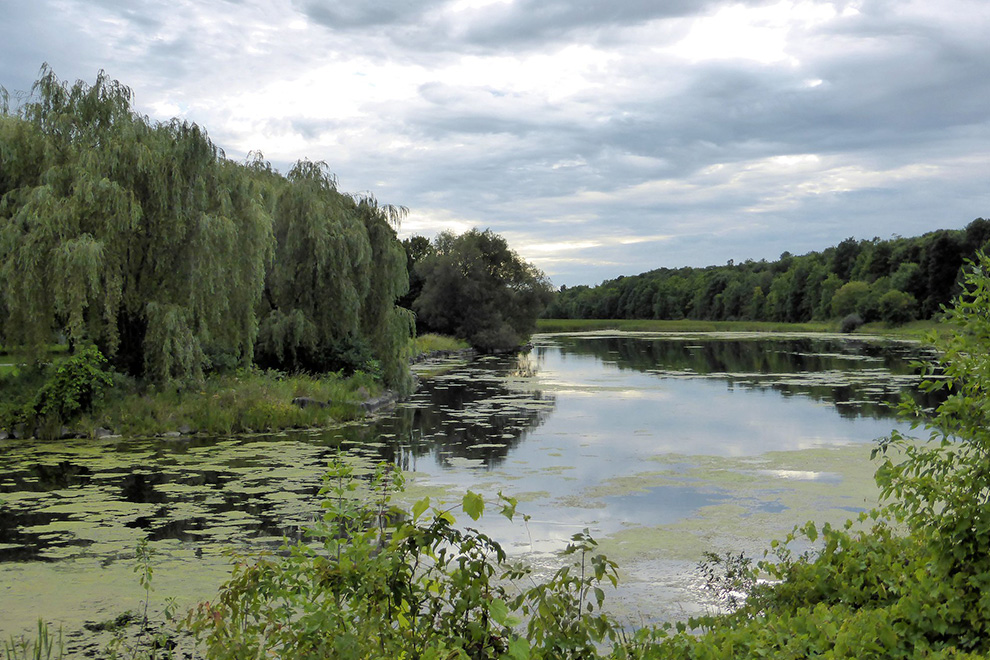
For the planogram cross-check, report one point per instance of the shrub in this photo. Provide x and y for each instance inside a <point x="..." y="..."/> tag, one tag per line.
<point x="897" y="307"/>
<point x="73" y="386"/>
<point x="850" y="323"/>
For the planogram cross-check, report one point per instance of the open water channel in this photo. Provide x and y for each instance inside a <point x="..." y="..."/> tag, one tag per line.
<point x="664" y="446"/>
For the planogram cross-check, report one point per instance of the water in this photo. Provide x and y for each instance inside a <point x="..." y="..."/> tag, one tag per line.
<point x="663" y="446"/>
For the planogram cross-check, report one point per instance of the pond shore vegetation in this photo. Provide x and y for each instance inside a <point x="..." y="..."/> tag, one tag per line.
<point x="907" y="580"/>
<point x="168" y="272"/>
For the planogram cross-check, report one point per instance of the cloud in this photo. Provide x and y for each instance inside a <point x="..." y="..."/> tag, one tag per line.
<point x="694" y="131"/>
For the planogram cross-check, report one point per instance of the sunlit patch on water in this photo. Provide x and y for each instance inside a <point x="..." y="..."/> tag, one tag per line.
<point x="803" y="475"/>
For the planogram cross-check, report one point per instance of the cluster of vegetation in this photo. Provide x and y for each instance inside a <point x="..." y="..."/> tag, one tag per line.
<point x="242" y="401"/>
<point x="158" y="262"/>
<point x="892" y="281"/>
<point x="143" y="240"/>
<point x="475" y="287"/>
<point x="910" y="580"/>
<point x="430" y="343"/>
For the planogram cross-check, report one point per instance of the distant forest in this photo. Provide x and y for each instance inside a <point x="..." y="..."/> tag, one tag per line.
<point x="895" y="281"/>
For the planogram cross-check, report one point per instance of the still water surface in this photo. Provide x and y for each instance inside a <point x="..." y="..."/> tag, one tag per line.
<point x="661" y="445"/>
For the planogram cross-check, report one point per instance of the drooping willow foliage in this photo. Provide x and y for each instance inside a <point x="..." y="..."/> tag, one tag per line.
<point x="329" y="299"/>
<point x="142" y="238"/>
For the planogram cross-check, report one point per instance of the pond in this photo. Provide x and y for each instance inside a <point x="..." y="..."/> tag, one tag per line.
<point x="664" y="446"/>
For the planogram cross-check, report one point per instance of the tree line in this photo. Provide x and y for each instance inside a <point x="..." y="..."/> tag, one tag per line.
<point x="142" y="239"/>
<point x="895" y="281"/>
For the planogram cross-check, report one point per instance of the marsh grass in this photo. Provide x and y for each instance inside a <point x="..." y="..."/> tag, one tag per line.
<point x="431" y="342"/>
<point x="44" y="646"/>
<point x="244" y="402"/>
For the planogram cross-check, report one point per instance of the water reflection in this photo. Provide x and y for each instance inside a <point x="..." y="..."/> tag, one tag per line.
<point x="861" y="377"/>
<point x="556" y="425"/>
<point x="74" y="498"/>
<point x="469" y="418"/>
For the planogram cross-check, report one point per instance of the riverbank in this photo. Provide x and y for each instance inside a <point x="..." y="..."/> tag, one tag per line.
<point x="242" y="402"/>
<point x="912" y="330"/>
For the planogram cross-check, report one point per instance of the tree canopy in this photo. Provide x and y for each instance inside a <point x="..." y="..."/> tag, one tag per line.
<point x="475" y="287"/>
<point x="142" y="238"/>
<point x="893" y="280"/>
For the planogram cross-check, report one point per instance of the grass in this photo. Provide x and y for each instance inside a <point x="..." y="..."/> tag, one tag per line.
<point x="913" y="330"/>
<point x="430" y="343"/>
<point x="245" y="402"/>
<point x="42" y="647"/>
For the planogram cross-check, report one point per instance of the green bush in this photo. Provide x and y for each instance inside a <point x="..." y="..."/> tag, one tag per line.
<point x="897" y="307"/>
<point x="373" y="582"/>
<point x="850" y="323"/>
<point x="75" y="385"/>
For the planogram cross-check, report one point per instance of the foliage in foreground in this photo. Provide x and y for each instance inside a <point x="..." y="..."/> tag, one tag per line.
<point x="373" y="582"/>
<point x="393" y="584"/>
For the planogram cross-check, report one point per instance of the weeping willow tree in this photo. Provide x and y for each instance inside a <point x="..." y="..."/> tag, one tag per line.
<point x="143" y="239"/>
<point x="329" y="300"/>
<point x="386" y="325"/>
<point x="136" y="236"/>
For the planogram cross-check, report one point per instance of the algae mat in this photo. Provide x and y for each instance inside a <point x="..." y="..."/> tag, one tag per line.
<point x="662" y="446"/>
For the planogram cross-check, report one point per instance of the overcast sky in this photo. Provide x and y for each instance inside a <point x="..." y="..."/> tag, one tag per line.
<point x="599" y="137"/>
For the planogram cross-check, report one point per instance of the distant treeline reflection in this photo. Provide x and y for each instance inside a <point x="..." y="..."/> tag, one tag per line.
<point x="861" y="378"/>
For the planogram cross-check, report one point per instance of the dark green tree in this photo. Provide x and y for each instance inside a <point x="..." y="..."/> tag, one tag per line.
<point x="476" y="288"/>
<point x="416" y="248"/>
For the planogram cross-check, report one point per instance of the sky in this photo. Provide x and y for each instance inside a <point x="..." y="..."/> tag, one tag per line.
<point x="600" y="138"/>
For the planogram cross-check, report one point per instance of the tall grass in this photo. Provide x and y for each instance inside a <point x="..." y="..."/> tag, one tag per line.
<point x="43" y="647"/>
<point x="238" y="403"/>
<point x="431" y="342"/>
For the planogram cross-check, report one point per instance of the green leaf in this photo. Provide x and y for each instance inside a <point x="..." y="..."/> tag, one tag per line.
<point x="419" y="507"/>
<point x="473" y="505"/>
<point x="499" y="611"/>
<point x="518" y="649"/>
